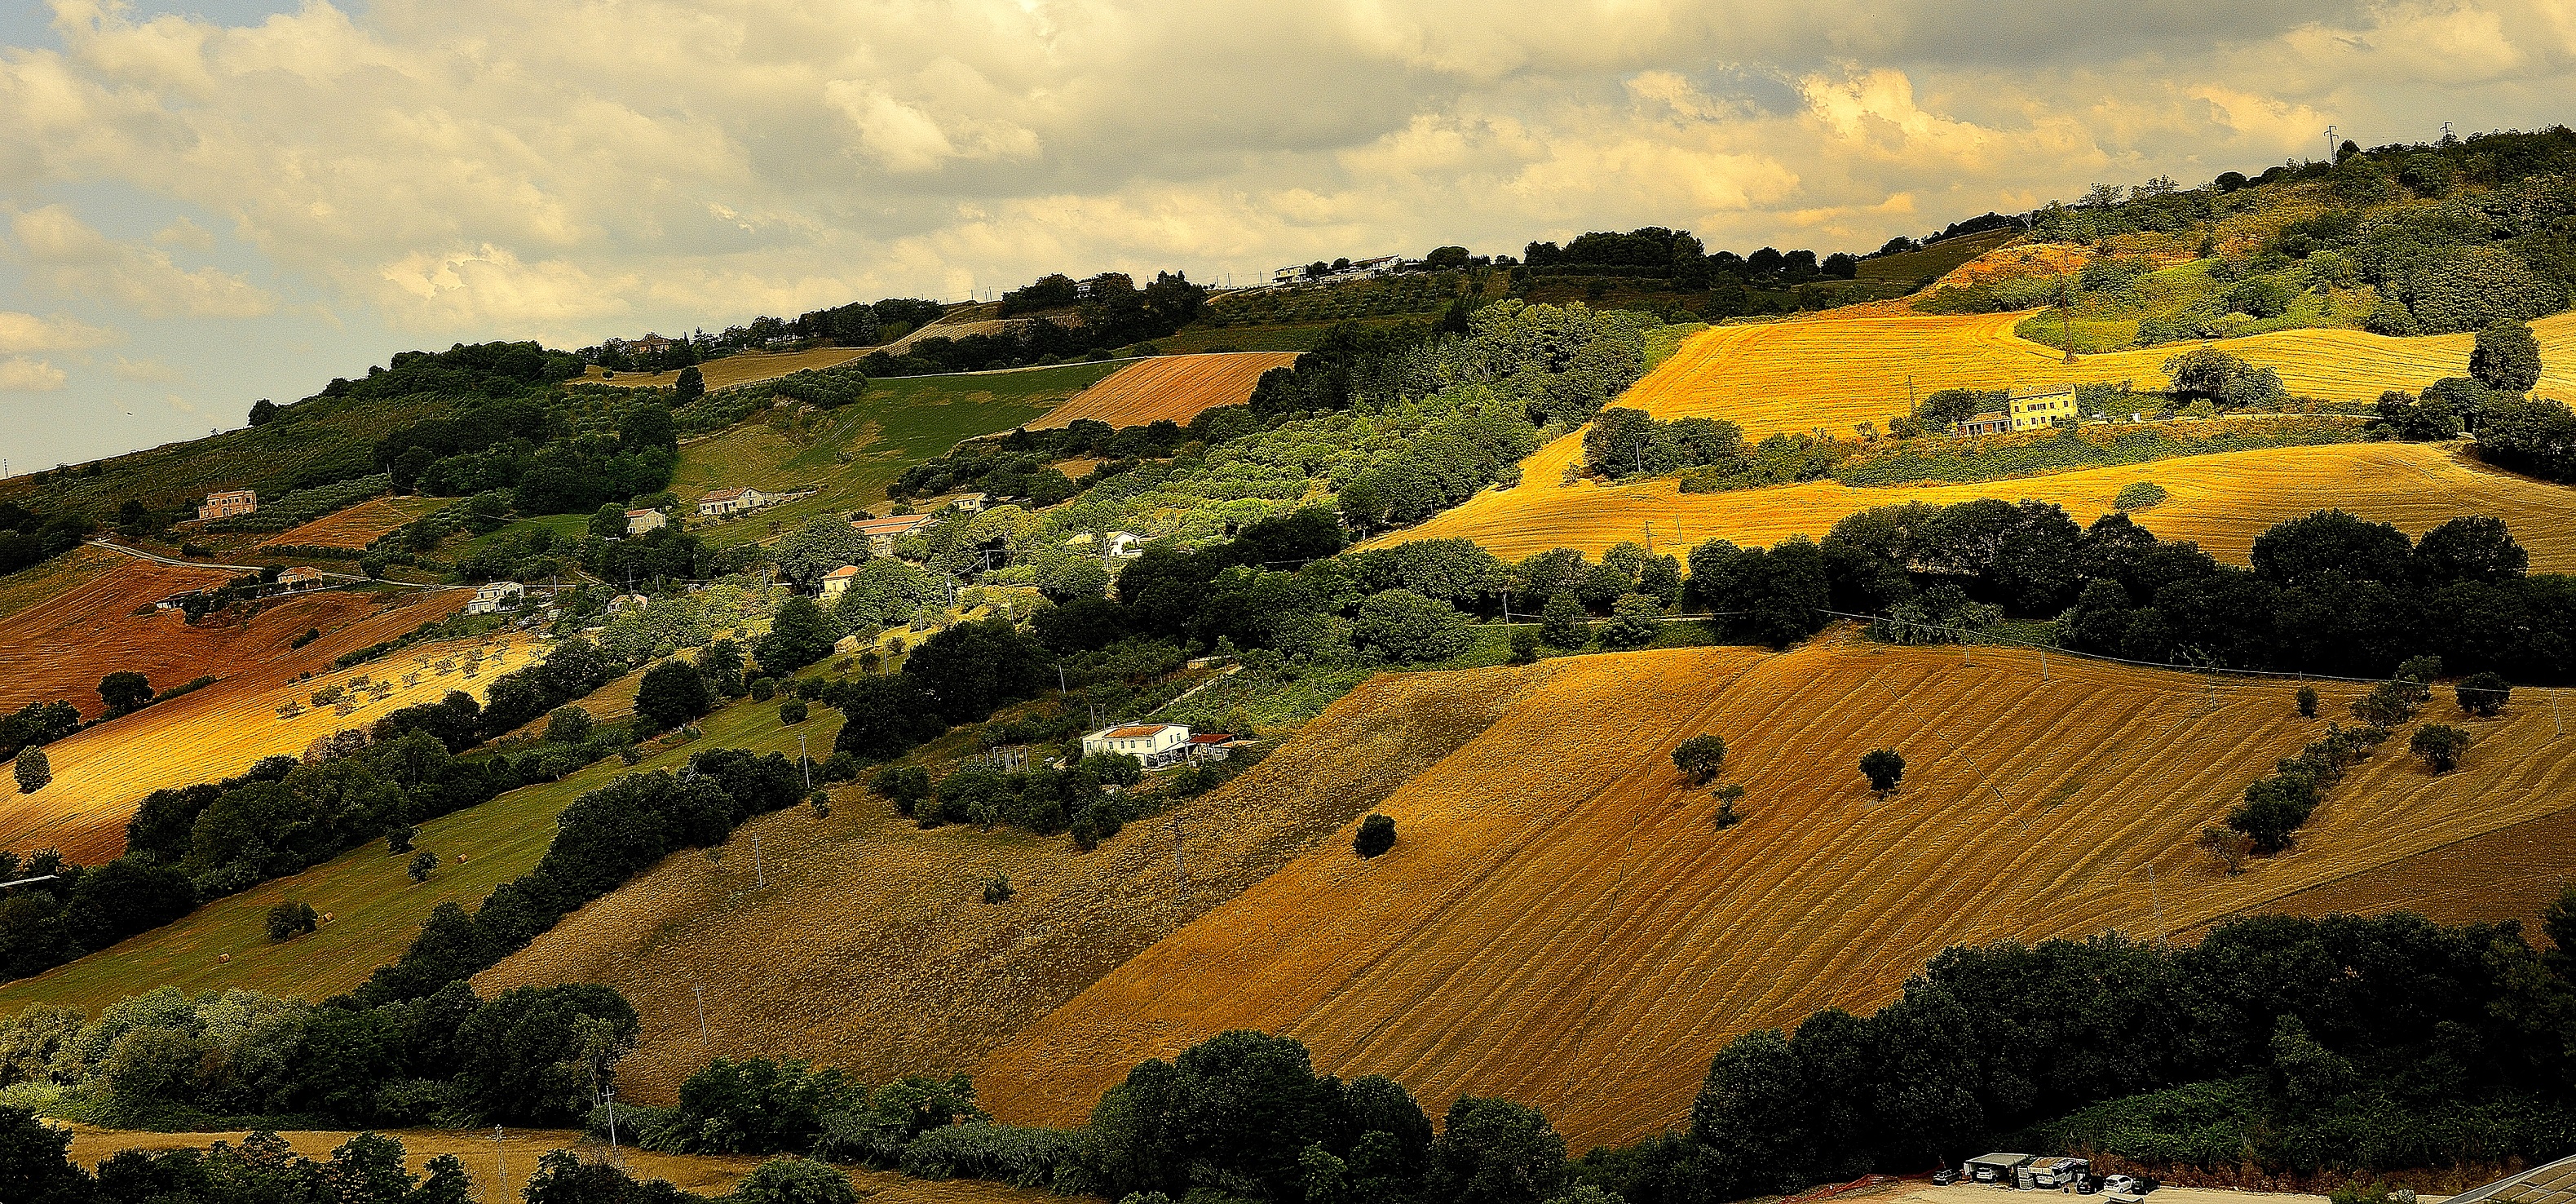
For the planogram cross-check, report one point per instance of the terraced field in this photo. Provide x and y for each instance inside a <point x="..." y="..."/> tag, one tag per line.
<point x="1175" y="387"/>
<point x="1833" y="371"/>
<point x="1561" y="923"/>
<point x="375" y="906"/>
<point x="359" y="525"/>
<point x="2220" y="502"/>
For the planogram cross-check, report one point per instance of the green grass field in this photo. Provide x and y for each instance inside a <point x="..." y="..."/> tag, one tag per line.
<point x="376" y="909"/>
<point x="1934" y="261"/>
<point x="570" y="527"/>
<point x="855" y="452"/>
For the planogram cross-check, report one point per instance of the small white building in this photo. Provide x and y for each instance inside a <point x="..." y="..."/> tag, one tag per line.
<point x="1116" y="545"/>
<point x="300" y="578"/>
<point x="495" y="596"/>
<point x="1152" y="743"/>
<point x="741" y="499"/>
<point x="628" y="602"/>
<point x="882" y="532"/>
<point x="838" y="580"/>
<point x="641" y="521"/>
<point x="970" y="502"/>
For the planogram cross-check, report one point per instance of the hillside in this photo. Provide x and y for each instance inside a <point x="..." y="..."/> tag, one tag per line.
<point x="1171" y="388"/>
<point x="1834" y="370"/>
<point x="905" y="968"/>
<point x="1560" y="922"/>
<point x="2222" y="502"/>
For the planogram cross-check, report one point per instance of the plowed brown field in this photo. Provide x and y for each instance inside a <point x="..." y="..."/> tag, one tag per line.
<point x="359" y="525"/>
<point x="61" y="648"/>
<point x="2220" y="502"/>
<point x="2508" y="874"/>
<point x="1560" y="922"/>
<point x="1835" y="371"/>
<point x="1176" y="387"/>
<point x="872" y="949"/>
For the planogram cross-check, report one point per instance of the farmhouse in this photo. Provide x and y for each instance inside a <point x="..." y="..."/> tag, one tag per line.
<point x="740" y="499"/>
<point x="1152" y="743"/>
<point x="1994" y="1168"/>
<point x="641" y="521"/>
<point x="228" y="502"/>
<point x="2023" y="414"/>
<point x="970" y="502"/>
<point x="301" y="577"/>
<point x="495" y="596"/>
<point x="882" y="532"/>
<point x="1121" y="545"/>
<point x="838" y="580"/>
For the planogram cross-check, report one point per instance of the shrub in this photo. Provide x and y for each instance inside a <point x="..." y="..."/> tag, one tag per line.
<point x="2483" y="694"/>
<point x="1376" y="835"/>
<point x="1561" y="624"/>
<point x="289" y="918"/>
<point x="794" y="1180"/>
<point x="2138" y="495"/>
<point x="568" y="725"/>
<point x="2440" y="745"/>
<point x="1700" y="757"/>
<point x="1524" y="645"/>
<point x="422" y="865"/>
<point x="398" y="839"/>
<point x="1727" y="796"/>
<point x="1884" y="767"/>
<point x="2228" y="846"/>
<point x="33" y="770"/>
<point x="792" y="712"/>
<point x="1634" y="620"/>
<point x="763" y="688"/>
<point x="999" y="889"/>
<point x="2307" y="702"/>
<point x="2389" y="703"/>
<point x="2506" y="358"/>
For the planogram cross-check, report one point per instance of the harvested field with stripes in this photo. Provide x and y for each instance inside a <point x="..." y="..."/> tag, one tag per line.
<point x="359" y="525"/>
<point x="740" y="369"/>
<point x="2220" y="502"/>
<point x="1175" y="387"/>
<point x="1560" y="922"/>
<point x="1835" y="370"/>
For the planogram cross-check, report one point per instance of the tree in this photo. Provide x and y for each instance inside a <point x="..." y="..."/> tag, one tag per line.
<point x="2307" y="697"/>
<point x="1524" y="645"/>
<point x="1751" y="1113"/>
<point x="2483" y="694"/>
<point x="568" y="724"/>
<point x="2440" y="745"/>
<point x="1401" y="625"/>
<point x="2389" y="703"/>
<point x="1561" y="624"/>
<point x="1884" y="767"/>
<point x="262" y="412"/>
<point x="2230" y="847"/>
<point x="791" y="712"/>
<point x="422" y="864"/>
<point x="609" y="523"/>
<point x="33" y="770"/>
<point x="691" y="386"/>
<point x="289" y="918"/>
<point x="805" y="554"/>
<point x="35" y="1162"/>
<point x="794" y="1180"/>
<point x="974" y="669"/>
<point x="2506" y="358"/>
<point x="1700" y="757"/>
<point x="398" y="838"/>
<point x="672" y="693"/>
<point x="124" y="691"/>
<point x="1495" y="1151"/>
<point x="799" y="635"/>
<point x="1376" y="835"/>
<point x="1634" y="621"/>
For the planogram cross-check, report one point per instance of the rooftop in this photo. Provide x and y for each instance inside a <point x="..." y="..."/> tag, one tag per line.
<point x="847" y="570"/>
<point x="1136" y="732"/>
<point x="722" y="495"/>
<point x="2554" y="1183"/>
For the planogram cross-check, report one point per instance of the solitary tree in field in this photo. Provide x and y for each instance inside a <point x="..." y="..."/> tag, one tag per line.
<point x="2506" y="358"/>
<point x="287" y="919"/>
<point x="1884" y="767"/>
<point x="1727" y="796"/>
<point x="2483" y="694"/>
<point x="422" y="863"/>
<point x="2440" y="745"/>
<point x="33" y="770"/>
<point x="2228" y="846"/>
<point x="2307" y="702"/>
<point x="1700" y="756"/>
<point x="691" y="386"/>
<point x="1376" y="835"/>
<point x="398" y="838"/>
<point x="124" y="691"/>
<point x="672" y="693"/>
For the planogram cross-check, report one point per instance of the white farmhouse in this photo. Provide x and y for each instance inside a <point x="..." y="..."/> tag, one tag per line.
<point x="1152" y="743"/>
<point x="494" y="596"/>
<point x="641" y="521"/>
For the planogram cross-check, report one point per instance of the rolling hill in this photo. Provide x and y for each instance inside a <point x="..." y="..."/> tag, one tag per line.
<point x="1168" y="387"/>
<point x="2220" y="501"/>
<point x="1561" y="923"/>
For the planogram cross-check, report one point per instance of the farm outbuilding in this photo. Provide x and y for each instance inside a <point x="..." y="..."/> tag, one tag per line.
<point x="1152" y="743"/>
<point x="1994" y="1168"/>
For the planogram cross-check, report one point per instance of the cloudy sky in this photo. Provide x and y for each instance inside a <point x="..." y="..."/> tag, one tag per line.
<point x="206" y="202"/>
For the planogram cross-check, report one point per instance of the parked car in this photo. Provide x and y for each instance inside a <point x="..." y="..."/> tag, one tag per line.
<point x="2123" y="1184"/>
<point x="1945" y="1176"/>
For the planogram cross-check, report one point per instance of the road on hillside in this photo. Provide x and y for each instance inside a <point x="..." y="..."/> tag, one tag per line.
<point x="157" y="558"/>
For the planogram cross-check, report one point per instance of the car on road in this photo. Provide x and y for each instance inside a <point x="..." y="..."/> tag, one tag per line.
<point x="1945" y="1176"/>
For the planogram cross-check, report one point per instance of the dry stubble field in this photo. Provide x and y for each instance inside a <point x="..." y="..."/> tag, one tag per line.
<point x="1177" y="387"/>
<point x="2220" y="502"/>
<point x="871" y="949"/>
<point x="1561" y="923"/>
<point x="1836" y="370"/>
<point x="359" y="525"/>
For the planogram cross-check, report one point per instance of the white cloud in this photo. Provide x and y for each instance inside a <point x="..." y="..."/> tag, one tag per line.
<point x="27" y="332"/>
<point x="79" y="261"/>
<point x="18" y="374"/>
<point x="185" y="235"/>
<point x="146" y="371"/>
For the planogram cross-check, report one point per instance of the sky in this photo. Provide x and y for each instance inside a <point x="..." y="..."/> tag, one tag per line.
<point x="208" y="202"/>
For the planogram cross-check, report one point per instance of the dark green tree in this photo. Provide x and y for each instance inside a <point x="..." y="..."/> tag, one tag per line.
<point x="423" y="864"/>
<point x="672" y="693"/>
<point x="1700" y="757"/>
<point x="609" y="523"/>
<point x="290" y="918"/>
<point x="1376" y="835"/>
<point x="2483" y="694"/>
<point x="1884" y="767"/>
<point x="1635" y="619"/>
<point x="1751" y="1114"/>
<point x="1495" y="1151"/>
<point x="2307" y="699"/>
<point x="691" y="386"/>
<point x="124" y="691"/>
<point x="33" y="770"/>
<point x="2506" y="358"/>
<point x="800" y="633"/>
<point x="2439" y="745"/>
<point x="1561" y="624"/>
<point x="1401" y="625"/>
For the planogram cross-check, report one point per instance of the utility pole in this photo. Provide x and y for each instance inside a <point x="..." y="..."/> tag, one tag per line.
<point x="500" y="1164"/>
<point x="758" y="878"/>
<point x="2330" y="144"/>
<point x="700" y="990"/>
<point x="805" y="763"/>
<point x="609" y="1097"/>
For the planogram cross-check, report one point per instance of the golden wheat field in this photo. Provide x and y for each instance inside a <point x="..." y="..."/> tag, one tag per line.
<point x="1176" y="387"/>
<point x="2222" y="502"/>
<point x="518" y="1150"/>
<point x="1561" y="923"/>
<point x="102" y="774"/>
<point x="1837" y="370"/>
<point x="872" y="949"/>
<point x="2512" y="873"/>
<point x="359" y="525"/>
